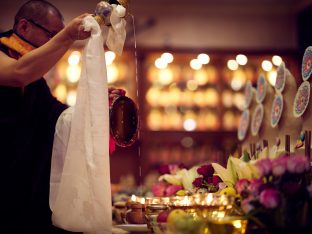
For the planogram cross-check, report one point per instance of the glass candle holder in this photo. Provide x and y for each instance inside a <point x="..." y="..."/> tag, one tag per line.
<point x="212" y="204"/>
<point x="227" y="224"/>
<point x="189" y="216"/>
<point x="154" y="206"/>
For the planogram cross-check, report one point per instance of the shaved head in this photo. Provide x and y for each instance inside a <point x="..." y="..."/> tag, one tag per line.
<point x="37" y="11"/>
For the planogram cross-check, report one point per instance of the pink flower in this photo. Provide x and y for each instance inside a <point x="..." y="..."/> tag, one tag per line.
<point x="265" y="166"/>
<point x="254" y="186"/>
<point x="222" y="185"/>
<point x="198" y="182"/>
<point x="173" y="168"/>
<point x="159" y="189"/>
<point x="241" y="185"/>
<point x="270" y="198"/>
<point x="297" y="164"/>
<point x="206" y="170"/>
<point x="246" y="205"/>
<point x="279" y="165"/>
<point x="172" y="189"/>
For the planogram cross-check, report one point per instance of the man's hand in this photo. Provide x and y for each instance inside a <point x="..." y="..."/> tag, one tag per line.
<point x="75" y="29"/>
<point x="114" y="93"/>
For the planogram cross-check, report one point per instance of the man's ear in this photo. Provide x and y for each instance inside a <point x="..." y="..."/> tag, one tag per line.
<point x="22" y="27"/>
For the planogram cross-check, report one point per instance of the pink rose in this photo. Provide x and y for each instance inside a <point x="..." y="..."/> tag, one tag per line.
<point x="265" y="166"/>
<point x="246" y="205"/>
<point x="172" y="189"/>
<point x="241" y="185"/>
<point x="174" y="168"/>
<point x="269" y="198"/>
<point x="206" y="170"/>
<point x="254" y="186"/>
<point x="279" y="165"/>
<point x="297" y="164"/>
<point x="159" y="189"/>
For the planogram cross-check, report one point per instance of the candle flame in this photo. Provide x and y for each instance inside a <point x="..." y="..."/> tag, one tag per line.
<point x="143" y="200"/>
<point x="133" y="198"/>
<point x="209" y="199"/>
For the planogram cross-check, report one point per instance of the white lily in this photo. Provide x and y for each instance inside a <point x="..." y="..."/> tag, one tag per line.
<point x="172" y="179"/>
<point x="228" y="175"/>
<point x="188" y="176"/>
<point x="245" y="170"/>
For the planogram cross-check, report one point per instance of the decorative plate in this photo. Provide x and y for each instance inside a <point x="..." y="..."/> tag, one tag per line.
<point x="243" y="125"/>
<point x="257" y="119"/>
<point x="280" y="78"/>
<point x="261" y="89"/>
<point x="277" y="109"/>
<point x="248" y="94"/>
<point x="302" y="99"/>
<point x="306" y="68"/>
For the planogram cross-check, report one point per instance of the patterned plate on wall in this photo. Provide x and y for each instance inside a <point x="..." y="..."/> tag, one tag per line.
<point x="280" y="78"/>
<point x="243" y="125"/>
<point x="277" y="109"/>
<point x="302" y="99"/>
<point x="257" y="119"/>
<point x="261" y="89"/>
<point x="306" y="68"/>
<point x="248" y="94"/>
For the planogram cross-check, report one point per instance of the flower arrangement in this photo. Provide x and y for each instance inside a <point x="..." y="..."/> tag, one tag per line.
<point x="281" y="195"/>
<point x="207" y="181"/>
<point x="171" y="180"/>
<point x="178" y="180"/>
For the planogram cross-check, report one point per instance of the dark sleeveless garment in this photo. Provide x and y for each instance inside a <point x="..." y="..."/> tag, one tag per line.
<point x="27" y="124"/>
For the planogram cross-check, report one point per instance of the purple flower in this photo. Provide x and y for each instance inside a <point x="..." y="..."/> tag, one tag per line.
<point x="198" y="182"/>
<point x="279" y="165"/>
<point x="297" y="164"/>
<point x="241" y="185"/>
<point x="265" y="166"/>
<point x="269" y="198"/>
<point x="206" y="170"/>
<point x="172" y="189"/>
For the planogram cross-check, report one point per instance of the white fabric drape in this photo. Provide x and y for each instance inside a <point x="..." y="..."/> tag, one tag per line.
<point x="80" y="192"/>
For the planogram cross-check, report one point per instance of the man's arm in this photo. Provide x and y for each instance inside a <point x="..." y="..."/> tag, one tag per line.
<point x="36" y="63"/>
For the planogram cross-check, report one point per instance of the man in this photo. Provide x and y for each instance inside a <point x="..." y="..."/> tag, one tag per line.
<point x="28" y="113"/>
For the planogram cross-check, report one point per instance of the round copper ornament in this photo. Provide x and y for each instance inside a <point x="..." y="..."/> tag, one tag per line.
<point x="124" y="121"/>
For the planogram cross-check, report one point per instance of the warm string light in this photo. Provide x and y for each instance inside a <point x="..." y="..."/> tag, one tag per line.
<point x="189" y="96"/>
